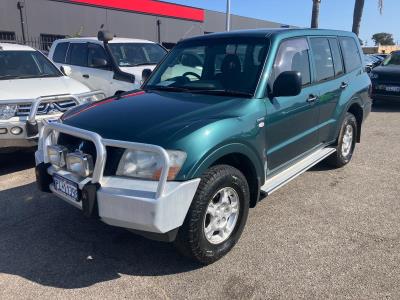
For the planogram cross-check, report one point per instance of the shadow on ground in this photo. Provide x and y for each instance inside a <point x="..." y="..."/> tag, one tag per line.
<point x="49" y="242"/>
<point x="16" y="161"/>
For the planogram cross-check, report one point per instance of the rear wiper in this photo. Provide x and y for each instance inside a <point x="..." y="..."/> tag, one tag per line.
<point x="222" y="92"/>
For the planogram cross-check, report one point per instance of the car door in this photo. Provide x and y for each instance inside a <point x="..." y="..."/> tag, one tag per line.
<point x="77" y="60"/>
<point x="292" y="122"/>
<point x="98" y="77"/>
<point x="329" y="75"/>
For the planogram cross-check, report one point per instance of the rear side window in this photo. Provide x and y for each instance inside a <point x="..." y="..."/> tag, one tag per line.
<point x="60" y="52"/>
<point x="323" y="59"/>
<point x="337" y="57"/>
<point x="293" y="56"/>
<point x="351" y="55"/>
<point x="95" y="52"/>
<point x="78" y="53"/>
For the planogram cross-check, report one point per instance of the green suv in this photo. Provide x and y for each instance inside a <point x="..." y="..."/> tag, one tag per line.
<point x="222" y="118"/>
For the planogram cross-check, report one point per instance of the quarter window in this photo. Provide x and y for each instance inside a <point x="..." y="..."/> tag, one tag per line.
<point x="293" y="56"/>
<point x="351" y="55"/>
<point x="337" y="57"/>
<point x="78" y="54"/>
<point x="60" y="52"/>
<point x="322" y="59"/>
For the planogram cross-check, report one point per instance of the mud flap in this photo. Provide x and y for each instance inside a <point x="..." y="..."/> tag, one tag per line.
<point x="89" y="200"/>
<point x="43" y="179"/>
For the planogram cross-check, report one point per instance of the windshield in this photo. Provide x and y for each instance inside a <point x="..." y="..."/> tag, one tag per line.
<point x="25" y="64"/>
<point x="392" y="59"/>
<point x="137" y="54"/>
<point x="212" y="66"/>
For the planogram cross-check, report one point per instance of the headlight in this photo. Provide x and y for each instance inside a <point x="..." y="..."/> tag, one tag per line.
<point x="92" y="98"/>
<point x="80" y="163"/>
<point x="7" y="111"/>
<point x="374" y="76"/>
<point x="148" y="165"/>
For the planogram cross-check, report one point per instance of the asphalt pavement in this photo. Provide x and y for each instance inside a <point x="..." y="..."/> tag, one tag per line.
<point x="330" y="233"/>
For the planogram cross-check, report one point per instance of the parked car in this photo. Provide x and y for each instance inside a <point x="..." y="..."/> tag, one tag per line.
<point x="184" y="158"/>
<point x="113" y="65"/>
<point x="386" y="79"/>
<point x="32" y="89"/>
<point x="371" y="62"/>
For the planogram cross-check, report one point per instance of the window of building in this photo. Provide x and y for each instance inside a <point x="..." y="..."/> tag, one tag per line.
<point x="293" y="56"/>
<point x="337" y="57"/>
<point x="323" y="59"/>
<point x="351" y="55"/>
<point x="46" y="40"/>
<point x="60" y="52"/>
<point x="7" y="36"/>
<point x="78" y="54"/>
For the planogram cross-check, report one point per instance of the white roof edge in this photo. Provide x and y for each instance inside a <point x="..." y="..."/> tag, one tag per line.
<point x="15" y="47"/>
<point x="114" y="40"/>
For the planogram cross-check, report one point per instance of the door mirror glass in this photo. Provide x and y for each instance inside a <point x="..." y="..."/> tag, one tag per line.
<point x="287" y="84"/>
<point x="66" y="70"/>
<point x="98" y="62"/>
<point x="146" y="74"/>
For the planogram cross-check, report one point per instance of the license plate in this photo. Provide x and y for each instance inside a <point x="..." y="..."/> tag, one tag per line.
<point x="66" y="187"/>
<point x="392" y="88"/>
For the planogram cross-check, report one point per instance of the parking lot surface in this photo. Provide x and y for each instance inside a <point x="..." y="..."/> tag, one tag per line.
<point x="327" y="234"/>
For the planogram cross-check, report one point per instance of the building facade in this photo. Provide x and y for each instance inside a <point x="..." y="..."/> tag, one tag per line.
<point x="39" y="22"/>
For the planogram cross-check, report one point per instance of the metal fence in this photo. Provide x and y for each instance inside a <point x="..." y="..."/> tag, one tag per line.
<point x="43" y="42"/>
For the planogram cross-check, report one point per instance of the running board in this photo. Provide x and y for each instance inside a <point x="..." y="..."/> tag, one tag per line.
<point x="279" y="180"/>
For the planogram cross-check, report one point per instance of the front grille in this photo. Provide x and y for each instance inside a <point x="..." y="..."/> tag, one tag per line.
<point x="47" y="107"/>
<point x="73" y="144"/>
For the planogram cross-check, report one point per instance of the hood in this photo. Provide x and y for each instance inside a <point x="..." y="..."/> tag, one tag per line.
<point x="389" y="69"/>
<point x="32" y="88"/>
<point x="137" y="71"/>
<point x="152" y="117"/>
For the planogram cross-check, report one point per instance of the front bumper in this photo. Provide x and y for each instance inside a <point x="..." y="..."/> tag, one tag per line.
<point x="385" y="97"/>
<point x="141" y="205"/>
<point x="32" y="123"/>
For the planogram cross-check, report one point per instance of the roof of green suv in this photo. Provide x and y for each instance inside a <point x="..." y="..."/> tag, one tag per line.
<point x="270" y="32"/>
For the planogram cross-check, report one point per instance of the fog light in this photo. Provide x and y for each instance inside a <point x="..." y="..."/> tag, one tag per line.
<point x="16" y="130"/>
<point x="3" y="130"/>
<point x="80" y="164"/>
<point x="57" y="155"/>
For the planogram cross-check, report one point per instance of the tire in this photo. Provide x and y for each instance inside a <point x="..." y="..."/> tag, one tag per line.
<point x="217" y="183"/>
<point x="345" y="149"/>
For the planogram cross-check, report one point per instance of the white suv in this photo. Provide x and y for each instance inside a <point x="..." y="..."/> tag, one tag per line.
<point x="33" y="89"/>
<point x="113" y="65"/>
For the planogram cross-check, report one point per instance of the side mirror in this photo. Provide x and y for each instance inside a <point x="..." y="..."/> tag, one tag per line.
<point x="66" y="70"/>
<point x="287" y="84"/>
<point x="99" y="62"/>
<point x="368" y="69"/>
<point x="146" y="74"/>
<point x="104" y="36"/>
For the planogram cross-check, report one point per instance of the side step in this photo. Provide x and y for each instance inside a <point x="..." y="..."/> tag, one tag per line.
<point x="279" y="180"/>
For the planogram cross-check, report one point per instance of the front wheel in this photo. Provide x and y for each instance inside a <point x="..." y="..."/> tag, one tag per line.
<point x="346" y="142"/>
<point x="217" y="215"/>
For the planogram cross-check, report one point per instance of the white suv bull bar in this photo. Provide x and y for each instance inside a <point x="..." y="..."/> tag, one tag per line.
<point x="143" y="205"/>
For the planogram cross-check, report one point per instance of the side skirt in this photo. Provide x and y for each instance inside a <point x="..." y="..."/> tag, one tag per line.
<point x="280" y="179"/>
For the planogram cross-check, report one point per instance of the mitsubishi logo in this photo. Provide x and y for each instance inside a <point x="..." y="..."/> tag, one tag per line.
<point x="50" y="108"/>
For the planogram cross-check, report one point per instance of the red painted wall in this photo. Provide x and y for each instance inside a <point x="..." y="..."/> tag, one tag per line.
<point x="149" y="7"/>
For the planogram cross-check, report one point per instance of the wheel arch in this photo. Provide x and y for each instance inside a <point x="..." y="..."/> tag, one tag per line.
<point x="240" y="157"/>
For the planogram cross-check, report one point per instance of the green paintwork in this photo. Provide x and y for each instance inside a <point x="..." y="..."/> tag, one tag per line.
<point x="209" y="127"/>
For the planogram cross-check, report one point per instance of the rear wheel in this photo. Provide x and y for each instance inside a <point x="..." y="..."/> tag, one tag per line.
<point x="217" y="215"/>
<point x="346" y="142"/>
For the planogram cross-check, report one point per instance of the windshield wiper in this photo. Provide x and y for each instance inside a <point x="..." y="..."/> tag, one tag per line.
<point x="4" y="77"/>
<point x="166" y="88"/>
<point x="222" y="92"/>
<point x="144" y="64"/>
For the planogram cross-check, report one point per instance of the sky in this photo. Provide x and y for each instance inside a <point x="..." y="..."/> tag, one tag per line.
<point x="335" y="14"/>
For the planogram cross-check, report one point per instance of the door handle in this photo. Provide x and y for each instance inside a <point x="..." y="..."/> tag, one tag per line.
<point x="85" y="76"/>
<point x="312" y="99"/>
<point x="344" y="85"/>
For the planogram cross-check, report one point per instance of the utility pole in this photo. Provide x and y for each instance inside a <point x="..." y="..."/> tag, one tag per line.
<point x="228" y="15"/>
<point x="20" y="6"/>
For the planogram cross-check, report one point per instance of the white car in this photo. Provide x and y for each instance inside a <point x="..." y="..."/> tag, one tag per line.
<point x="33" y="89"/>
<point x="113" y="65"/>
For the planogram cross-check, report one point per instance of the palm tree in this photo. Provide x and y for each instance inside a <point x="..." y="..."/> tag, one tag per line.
<point x="315" y="13"/>
<point x="358" y="11"/>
